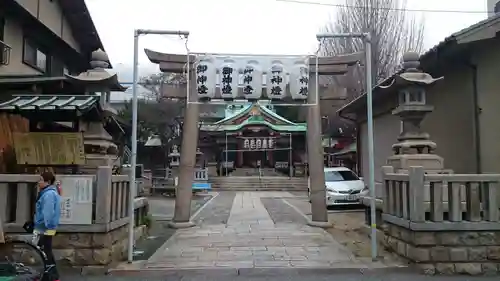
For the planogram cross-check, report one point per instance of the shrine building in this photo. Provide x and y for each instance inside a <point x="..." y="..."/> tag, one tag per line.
<point x="253" y="135"/>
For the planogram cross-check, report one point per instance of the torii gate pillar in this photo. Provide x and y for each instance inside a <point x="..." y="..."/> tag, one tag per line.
<point x="336" y="65"/>
<point x="315" y="159"/>
<point x="177" y="64"/>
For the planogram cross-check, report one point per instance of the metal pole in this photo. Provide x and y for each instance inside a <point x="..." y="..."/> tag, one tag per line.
<point x="371" y="163"/>
<point x="291" y="160"/>
<point x="163" y="32"/>
<point x="369" y="111"/>
<point x="133" y="156"/>
<point x="226" y="155"/>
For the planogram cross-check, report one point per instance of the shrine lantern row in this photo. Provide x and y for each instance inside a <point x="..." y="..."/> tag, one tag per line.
<point x="251" y="78"/>
<point x="258" y="143"/>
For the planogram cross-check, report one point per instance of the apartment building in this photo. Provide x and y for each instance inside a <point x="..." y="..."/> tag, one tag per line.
<point x="45" y="37"/>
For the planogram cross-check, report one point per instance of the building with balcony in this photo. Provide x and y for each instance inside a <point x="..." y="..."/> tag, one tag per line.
<point x="46" y="37"/>
<point x="51" y="52"/>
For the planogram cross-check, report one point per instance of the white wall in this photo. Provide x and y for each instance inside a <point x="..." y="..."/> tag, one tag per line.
<point x="386" y="129"/>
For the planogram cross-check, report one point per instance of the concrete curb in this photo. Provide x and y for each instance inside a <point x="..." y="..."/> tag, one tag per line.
<point x="257" y="271"/>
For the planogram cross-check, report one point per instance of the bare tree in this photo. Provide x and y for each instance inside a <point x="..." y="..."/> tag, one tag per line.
<point x="154" y="83"/>
<point x="393" y="32"/>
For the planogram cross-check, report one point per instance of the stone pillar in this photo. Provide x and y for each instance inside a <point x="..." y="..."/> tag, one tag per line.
<point x="189" y="145"/>
<point x="315" y="158"/>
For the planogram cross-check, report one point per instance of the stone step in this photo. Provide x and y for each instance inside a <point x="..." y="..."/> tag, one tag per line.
<point x="258" y="189"/>
<point x="260" y="183"/>
<point x="256" y="183"/>
<point x="242" y="172"/>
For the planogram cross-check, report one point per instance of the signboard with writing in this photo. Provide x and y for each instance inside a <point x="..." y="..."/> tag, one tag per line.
<point x="49" y="148"/>
<point x="76" y="199"/>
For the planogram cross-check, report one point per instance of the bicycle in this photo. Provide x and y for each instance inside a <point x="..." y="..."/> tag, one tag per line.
<point x="22" y="260"/>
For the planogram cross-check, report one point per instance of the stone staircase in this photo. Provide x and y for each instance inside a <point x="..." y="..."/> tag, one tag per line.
<point x="254" y="172"/>
<point x="252" y="183"/>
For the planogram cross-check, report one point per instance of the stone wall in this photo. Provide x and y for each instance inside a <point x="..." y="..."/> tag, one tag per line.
<point x="82" y="249"/>
<point x="446" y="252"/>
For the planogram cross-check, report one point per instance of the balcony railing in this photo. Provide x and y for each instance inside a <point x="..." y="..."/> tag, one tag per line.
<point x="4" y="53"/>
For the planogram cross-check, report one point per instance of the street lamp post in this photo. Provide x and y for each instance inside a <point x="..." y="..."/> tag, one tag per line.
<point x="133" y="156"/>
<point x="369" y="104"/>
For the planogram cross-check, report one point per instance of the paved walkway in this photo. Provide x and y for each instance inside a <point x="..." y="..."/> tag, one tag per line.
<point x="251" y="238"/>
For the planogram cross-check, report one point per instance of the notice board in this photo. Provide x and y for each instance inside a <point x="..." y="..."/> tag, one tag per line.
<point x="76" y="199"/>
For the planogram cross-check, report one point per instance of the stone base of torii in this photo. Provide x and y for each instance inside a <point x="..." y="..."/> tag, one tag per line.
<point x="174" y="63"/>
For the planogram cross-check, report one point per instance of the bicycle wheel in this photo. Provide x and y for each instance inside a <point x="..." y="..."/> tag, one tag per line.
<point x="23" y="256"/>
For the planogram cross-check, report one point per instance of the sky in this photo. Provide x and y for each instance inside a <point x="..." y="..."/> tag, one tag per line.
<point x="243" y="26"/>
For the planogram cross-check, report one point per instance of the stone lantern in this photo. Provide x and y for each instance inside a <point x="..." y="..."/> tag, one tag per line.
<point x="414" y="148"/>
<point x="174" y="156"/>
<point x="199" y="158"/>
<point x="98" y="81"/>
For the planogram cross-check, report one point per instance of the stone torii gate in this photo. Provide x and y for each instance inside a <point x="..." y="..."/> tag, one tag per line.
<point x="327" y="66"/>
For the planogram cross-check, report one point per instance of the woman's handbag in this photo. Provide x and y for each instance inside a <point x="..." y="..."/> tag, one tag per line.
<point x="29" y="226"/>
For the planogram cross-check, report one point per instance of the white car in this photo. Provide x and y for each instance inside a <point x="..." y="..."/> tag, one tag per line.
<point x="343" y="187"/>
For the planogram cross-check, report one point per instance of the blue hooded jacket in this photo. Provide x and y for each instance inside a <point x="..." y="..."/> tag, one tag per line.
<point x="48" y="209"/>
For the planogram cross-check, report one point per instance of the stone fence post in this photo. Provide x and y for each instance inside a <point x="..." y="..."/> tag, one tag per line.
<point x="103" y="195"/>
<point x="417" y="194"/>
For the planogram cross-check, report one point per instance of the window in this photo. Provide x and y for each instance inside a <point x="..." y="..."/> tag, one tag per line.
<point x="56" y="67"/>
<point x="2" y="27"/>
<point x="331" y="176"/>
<point x="2" y="48"/>
<point x="34" y="57"/>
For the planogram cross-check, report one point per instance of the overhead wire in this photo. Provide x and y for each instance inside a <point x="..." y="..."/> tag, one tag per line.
<point x="383" y="8"/>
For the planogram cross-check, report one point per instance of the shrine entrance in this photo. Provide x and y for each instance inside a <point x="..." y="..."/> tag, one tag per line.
<point x="254" y="159"/>
<point x="257" y="145"/>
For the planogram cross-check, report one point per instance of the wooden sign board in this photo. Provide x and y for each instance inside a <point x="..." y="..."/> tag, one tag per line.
<point x="49" y="148"/>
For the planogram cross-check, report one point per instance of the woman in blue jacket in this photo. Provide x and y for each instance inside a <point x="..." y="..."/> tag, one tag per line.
<point x="47" y="215"/>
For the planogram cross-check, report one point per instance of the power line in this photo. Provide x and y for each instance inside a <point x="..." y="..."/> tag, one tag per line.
<point x="383" y="8"/>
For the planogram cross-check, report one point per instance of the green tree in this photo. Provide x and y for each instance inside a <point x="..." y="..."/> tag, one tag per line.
<point x="156" y="114"/>
<point x="291" y="113"/>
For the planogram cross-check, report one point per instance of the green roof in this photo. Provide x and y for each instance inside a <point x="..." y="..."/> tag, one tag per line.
<point x="49" y="102"/>
<point x="226" y="123"/>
